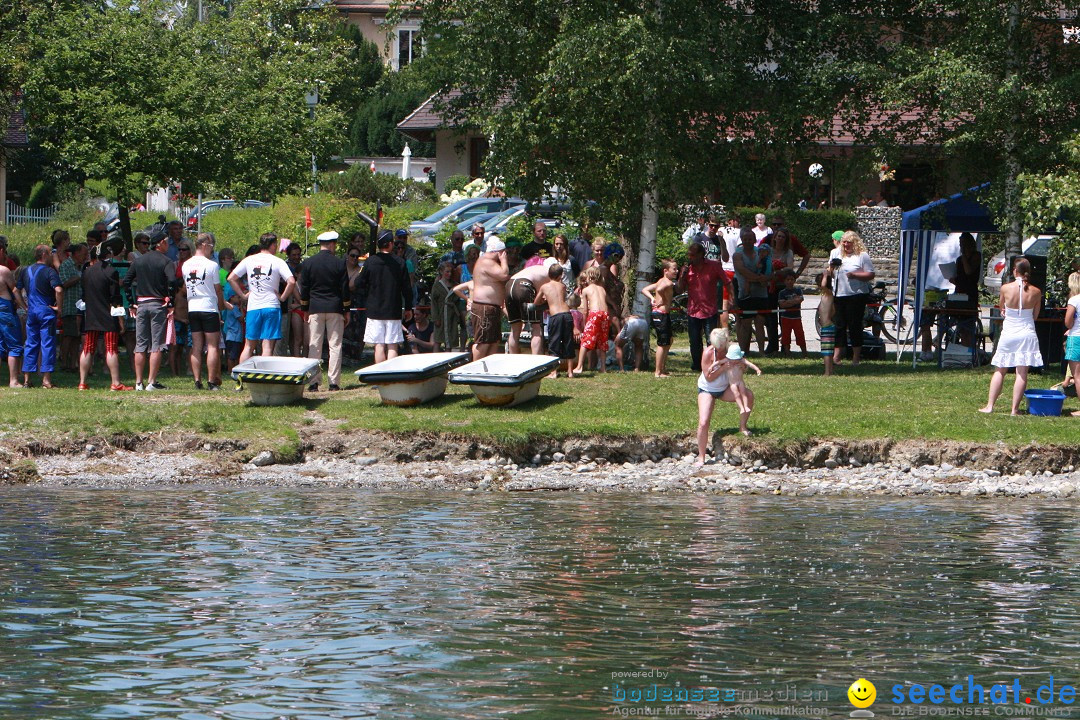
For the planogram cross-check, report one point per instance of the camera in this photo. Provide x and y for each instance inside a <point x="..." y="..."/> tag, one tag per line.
<point x="835" y="263"/>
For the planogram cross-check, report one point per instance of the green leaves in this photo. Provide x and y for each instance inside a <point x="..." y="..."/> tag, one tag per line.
<point x="219" y="102"/>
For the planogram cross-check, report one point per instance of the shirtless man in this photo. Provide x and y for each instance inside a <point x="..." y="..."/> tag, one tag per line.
<point x="521" y="292"/>
<point x="10" y="328"/>
<point x="488" y="295"/>
<point x="660" y="295"/>
<point x="560" y="321"/>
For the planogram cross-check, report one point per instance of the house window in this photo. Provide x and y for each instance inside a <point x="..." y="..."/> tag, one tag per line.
<point x="409" y="46"/>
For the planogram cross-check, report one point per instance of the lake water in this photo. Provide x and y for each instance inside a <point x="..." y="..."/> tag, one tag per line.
<point x="267" y="604"/>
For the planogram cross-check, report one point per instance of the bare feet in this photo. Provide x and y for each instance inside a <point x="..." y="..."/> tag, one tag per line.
<point x="987" y="410"/>
<point x="747" y="433"/>
<point x="663" y="375"/>
<point x="700" y="462"/>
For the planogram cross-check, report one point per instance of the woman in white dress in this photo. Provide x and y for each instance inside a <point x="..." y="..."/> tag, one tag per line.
<point x="1018" y="346"/>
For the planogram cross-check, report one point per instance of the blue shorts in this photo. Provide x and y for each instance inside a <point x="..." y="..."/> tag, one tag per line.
<point x="263" y="324"/>
<point x="10" y="330"/>
<point x="1072" y="348"/>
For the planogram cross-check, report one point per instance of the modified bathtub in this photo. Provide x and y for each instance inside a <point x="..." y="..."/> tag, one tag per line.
<point x="505" y="380"/>
<point x="276" y="380"/>
<point x="412" y="379"/>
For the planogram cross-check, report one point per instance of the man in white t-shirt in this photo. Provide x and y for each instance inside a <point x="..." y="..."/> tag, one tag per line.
<point x="730" y="244"/>
<point x="264" y="272"/>
<point x="202" y="283"/>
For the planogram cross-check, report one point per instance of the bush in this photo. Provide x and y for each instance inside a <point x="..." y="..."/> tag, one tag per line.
<point x="42" y="194"/>
<point x="814" y="228"/>
<point x="236" y="228"/>
<point x="360" y="183"/>
<point x="399" y="216"/>
<point x="669" y="245"/>
<point x="455" y="182"/>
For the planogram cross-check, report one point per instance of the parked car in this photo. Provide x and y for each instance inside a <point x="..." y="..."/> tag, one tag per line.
<point x="995" y="268"/>
<point x="459" y="211"/>
<point x="467" y="225"/>
<point x="208" y="206"/>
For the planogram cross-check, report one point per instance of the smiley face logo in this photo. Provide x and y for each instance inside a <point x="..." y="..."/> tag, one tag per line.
<point x="862" y="693"/>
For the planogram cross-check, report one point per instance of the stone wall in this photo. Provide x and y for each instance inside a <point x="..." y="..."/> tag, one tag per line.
<point x="880" y="230"/>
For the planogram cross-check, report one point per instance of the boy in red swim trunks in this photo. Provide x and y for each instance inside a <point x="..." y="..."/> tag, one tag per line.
<point x="597" y="320"/>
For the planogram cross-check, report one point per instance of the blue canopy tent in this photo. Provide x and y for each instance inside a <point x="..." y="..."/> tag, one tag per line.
<point x="918" y="230"/>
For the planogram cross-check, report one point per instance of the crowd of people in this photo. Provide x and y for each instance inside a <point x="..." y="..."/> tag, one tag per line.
<point x="180" y="302"/>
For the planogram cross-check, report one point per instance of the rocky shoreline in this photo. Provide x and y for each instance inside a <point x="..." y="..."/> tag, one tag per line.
<point x="662" y="464"/>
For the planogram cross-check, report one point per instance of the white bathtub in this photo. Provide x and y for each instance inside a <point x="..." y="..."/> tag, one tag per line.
<point x="505" y="380"/>
<point x="276" y="380"/>
<point x="412" y="379"/>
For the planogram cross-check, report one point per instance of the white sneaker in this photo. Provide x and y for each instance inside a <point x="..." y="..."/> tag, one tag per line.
<point x="139" y="387"/>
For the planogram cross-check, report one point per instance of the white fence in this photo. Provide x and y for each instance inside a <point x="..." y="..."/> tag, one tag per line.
<point x="17" y="214"/>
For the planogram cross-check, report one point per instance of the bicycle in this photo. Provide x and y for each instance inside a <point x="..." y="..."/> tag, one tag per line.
<point x="880" y="314"/>
<point x="951" y="332"/>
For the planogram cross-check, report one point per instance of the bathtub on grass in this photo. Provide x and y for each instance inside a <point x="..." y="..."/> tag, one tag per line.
<point x="276" y="380"/>
<point x="412" y="379"/>
<point x="505" y="380"/>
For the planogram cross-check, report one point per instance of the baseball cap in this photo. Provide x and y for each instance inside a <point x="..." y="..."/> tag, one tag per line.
<point x="512" y="242"/>
<point x="328" y="237"/>
<point x="838" y="235"/>
<point x="494" y="244"/>
<point x="401" y="233"/>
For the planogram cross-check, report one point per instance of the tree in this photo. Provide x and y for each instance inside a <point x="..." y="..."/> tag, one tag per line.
<point x="636" y="104"/>
<point x="991" y="82"/>
<point x="1051" y="200"/>
<point x="373" y="130"/>
<point x="219" y="102"/>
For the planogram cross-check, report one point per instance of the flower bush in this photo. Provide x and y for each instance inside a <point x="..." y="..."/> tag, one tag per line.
<point x="477" y="188"/>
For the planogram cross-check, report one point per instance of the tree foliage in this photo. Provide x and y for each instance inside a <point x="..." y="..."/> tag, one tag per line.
<point x="218" y="102"/>
<point x="373" y="129"/>
<point x="992" y="83"/>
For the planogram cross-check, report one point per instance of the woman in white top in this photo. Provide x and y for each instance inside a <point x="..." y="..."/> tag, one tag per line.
<point x="712" y="385"/>
<point x="853" y="279"/>
<point x="761" y="230"/>
<point x="1018" y="346"/>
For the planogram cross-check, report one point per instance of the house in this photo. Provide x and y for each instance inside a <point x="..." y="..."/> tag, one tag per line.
<point x="14" y="138"/>
<point x="909" y="181"/>
<point x="458" y="150"/>
<point x="400" y="44"/>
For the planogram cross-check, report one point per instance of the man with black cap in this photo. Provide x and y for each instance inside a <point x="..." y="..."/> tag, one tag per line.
<point x="383" y="289"/>
<point x="325" y="296"/>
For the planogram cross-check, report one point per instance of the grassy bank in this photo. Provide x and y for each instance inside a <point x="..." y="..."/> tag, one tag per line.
<point x="794" y="402"/>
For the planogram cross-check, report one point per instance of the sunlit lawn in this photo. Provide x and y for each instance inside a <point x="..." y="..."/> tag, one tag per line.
<point x="794" y="401"/>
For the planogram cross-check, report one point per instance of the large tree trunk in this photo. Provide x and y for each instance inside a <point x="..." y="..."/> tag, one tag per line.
<point x="646" y="259"/>
<point x="1013" y="246"/>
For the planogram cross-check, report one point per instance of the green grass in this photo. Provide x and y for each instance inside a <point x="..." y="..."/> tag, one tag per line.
<point x="794" y="402"/>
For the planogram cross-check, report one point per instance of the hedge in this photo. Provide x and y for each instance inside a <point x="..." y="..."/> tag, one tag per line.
<point x="814" y="228"/>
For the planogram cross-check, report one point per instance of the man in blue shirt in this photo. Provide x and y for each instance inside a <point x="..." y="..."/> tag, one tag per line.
<point x="44" y="296"/>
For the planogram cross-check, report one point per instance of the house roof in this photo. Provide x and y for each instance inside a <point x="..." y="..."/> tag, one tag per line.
<point x="15" y="132"/>
<point x="426" y="117"/>
<point x="359" y="6"/>
<point x="422" y="122"/>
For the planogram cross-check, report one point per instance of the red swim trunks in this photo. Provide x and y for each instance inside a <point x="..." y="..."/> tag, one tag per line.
<point x="597" y="329"/>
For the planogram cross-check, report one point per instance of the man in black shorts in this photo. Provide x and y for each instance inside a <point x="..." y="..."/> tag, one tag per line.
<point x="202" y="283"/>
<point x="520" y="308"/>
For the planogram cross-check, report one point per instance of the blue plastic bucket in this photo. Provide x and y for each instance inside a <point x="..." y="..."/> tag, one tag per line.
<point x="1045" y="402"/>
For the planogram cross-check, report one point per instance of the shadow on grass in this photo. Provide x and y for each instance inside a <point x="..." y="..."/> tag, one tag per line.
<point x="542" y="402"/>
<point x="733" y="431"/>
